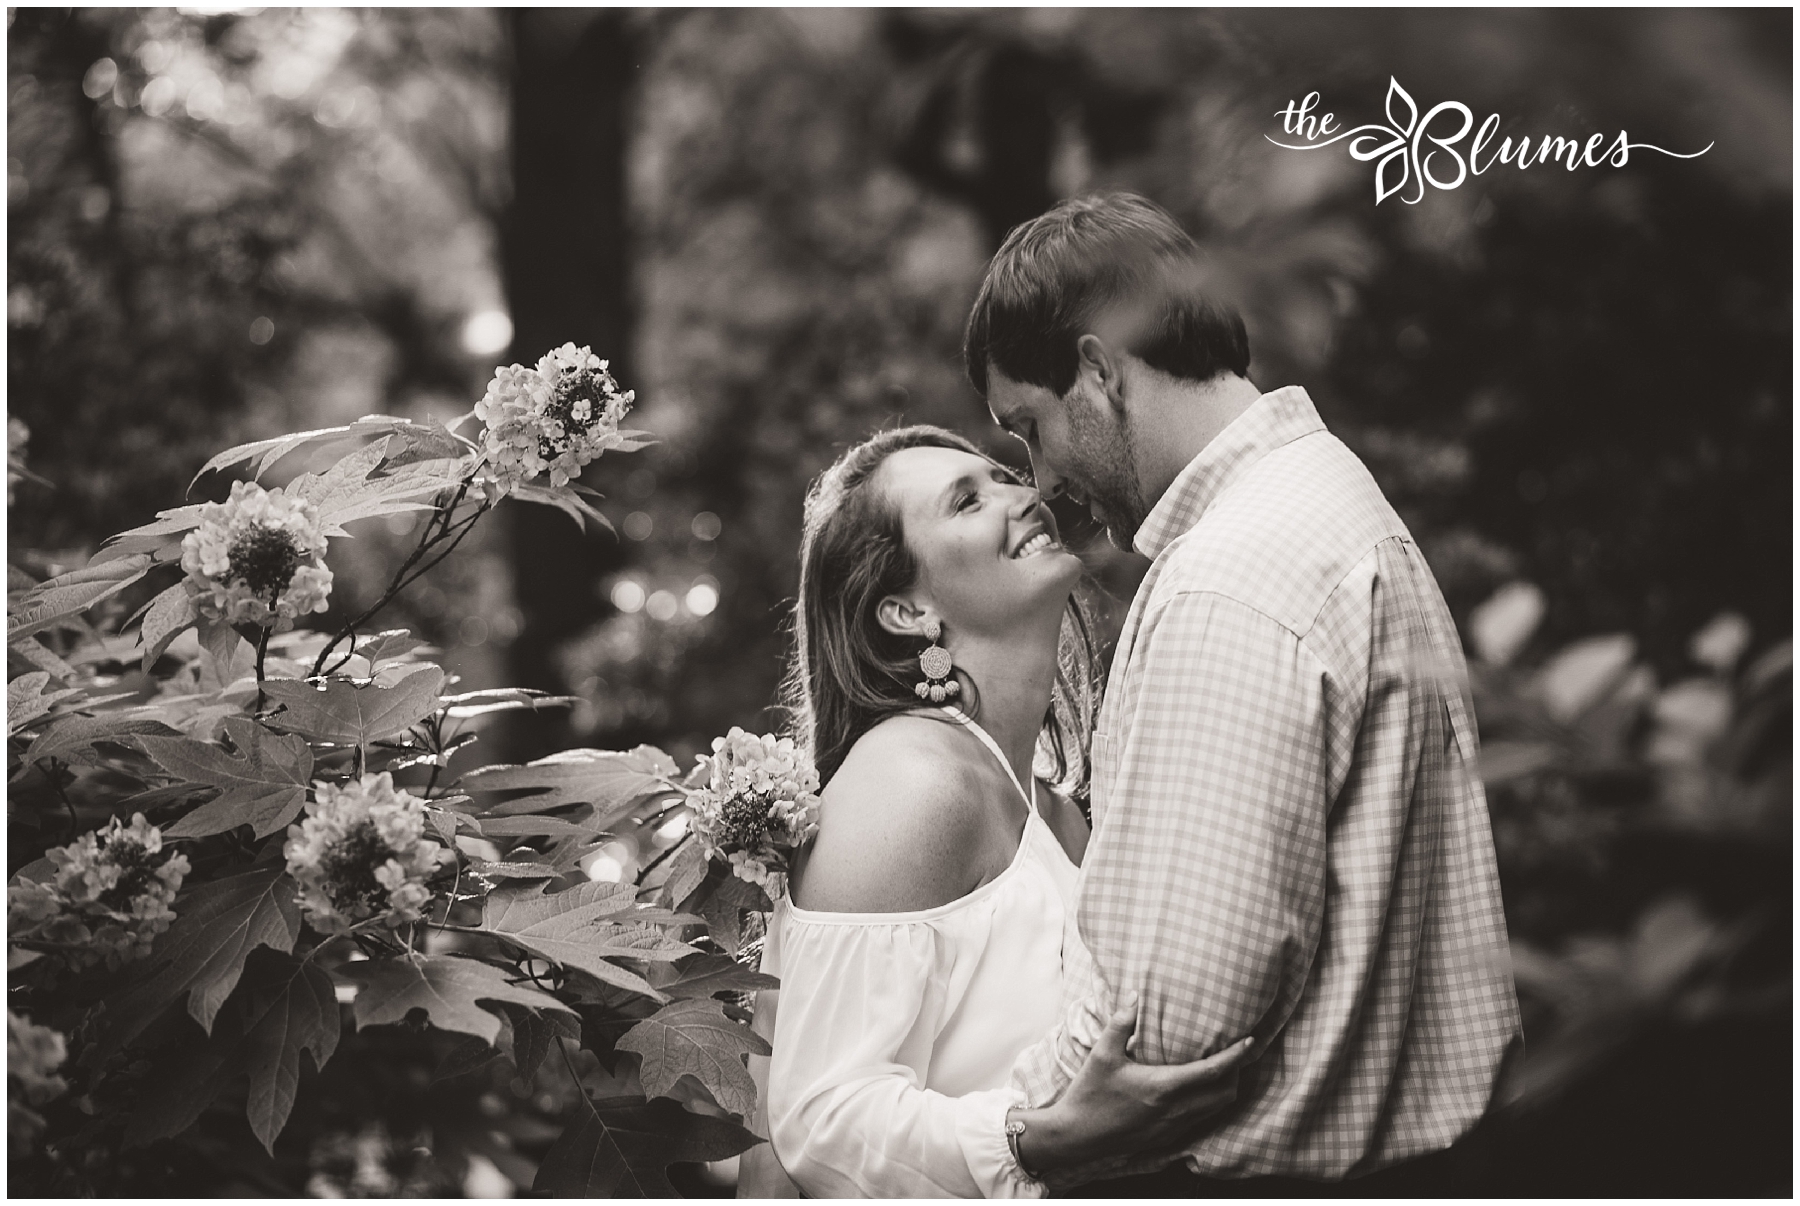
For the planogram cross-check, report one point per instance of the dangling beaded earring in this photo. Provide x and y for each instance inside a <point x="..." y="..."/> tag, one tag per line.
<point x="935" y="662"/>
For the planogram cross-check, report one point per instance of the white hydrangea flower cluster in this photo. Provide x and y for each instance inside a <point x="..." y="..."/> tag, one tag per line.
<point x="362" y="852"/>
<point x="556" y="417"/>
<point x="33" y="1054"/>
<point x="258" y="558"/>
<point x="109" y="898"/>
<point x="760" y="803"/>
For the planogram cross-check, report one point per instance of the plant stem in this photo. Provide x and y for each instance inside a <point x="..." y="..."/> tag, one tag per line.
<point x="56" y="773"/>
<point x="656" y="862"/>
<point x="436" y="529"/>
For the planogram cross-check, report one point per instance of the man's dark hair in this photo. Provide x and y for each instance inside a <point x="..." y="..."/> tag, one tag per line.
<point x="1054" y="274"/>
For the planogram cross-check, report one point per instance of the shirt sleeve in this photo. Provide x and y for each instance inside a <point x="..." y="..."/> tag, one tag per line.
<point x="1203" y="887"/>
<point x="848" y="1113"/>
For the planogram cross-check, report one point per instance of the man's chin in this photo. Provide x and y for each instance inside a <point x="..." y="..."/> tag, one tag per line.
<point x="1120" y="536"/>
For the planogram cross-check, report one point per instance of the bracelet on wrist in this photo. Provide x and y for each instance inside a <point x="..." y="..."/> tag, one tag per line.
<point x="1015" y="1129"/>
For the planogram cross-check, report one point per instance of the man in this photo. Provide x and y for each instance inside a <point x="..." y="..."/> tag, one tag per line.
<point x="1290" y="839"/>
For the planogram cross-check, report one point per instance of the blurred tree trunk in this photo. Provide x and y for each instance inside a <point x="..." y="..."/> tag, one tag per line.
<point x="564" y="259"/>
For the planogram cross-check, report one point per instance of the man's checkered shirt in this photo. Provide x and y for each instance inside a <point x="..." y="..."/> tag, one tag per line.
<point x="1290" y="838"/>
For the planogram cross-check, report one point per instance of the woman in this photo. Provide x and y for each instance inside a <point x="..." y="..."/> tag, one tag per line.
<point x="940" y="662"/>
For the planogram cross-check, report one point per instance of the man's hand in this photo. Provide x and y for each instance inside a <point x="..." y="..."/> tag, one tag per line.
<point x="1116" y="1106"/>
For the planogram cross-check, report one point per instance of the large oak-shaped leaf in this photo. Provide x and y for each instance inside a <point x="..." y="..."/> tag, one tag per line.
<point x="71" y="594"/>
<point x="608" y="779"/>
<point x="577" y="929"/>
<point x="217" y="925"/>
<point x="445" y="987"/>
<point x="262" y="785"/>
<point x="621" y="1147"/>
<point x="412" y="441"/>
<point x="283" y="1006"/>
<point x="704" y="975"/>
<point x="348" y="714"/>
<point x="27" y="699"/>
<point x="347" y="492"/>
<point x="169" y="615"/>
<point x="695" y="1038"/>
<point x="72" y="739"/>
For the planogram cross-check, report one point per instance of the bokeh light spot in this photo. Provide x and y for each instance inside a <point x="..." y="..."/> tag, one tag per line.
<point x="487" y="333"/>
<point x="627" y="596"/>
<point x="702" y="599"/>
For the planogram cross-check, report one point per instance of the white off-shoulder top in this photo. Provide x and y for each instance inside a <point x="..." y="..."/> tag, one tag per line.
<point x="895" y="1033"/>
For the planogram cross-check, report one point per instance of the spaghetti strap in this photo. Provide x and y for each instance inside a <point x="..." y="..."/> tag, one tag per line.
<point x="994" y="749"/>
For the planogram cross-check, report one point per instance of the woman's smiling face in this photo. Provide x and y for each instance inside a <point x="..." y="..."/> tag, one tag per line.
<point x="988" y="550"/>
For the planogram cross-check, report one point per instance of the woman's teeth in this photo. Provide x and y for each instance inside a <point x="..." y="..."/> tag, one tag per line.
<point x="1036" y="544"/>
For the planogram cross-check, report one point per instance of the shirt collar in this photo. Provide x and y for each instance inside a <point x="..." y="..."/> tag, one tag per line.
<point x="1272" y="420"/>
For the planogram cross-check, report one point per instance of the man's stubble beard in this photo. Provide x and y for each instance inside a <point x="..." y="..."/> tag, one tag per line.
<point x="1108" y="474"/>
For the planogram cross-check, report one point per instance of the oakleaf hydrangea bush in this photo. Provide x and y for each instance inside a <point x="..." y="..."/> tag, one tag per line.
<point x="260" y="554"/>
<point x="362" y="852"/>
<point x="232" y="804"/>
<point x="759" y="805"/>
<point x="107" y="899"/>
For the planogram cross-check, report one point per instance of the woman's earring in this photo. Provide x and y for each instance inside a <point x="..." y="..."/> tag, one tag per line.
<point x="935" y="662"/>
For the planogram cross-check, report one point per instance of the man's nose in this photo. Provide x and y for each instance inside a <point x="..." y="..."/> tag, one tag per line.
<point x="1049" y="482"/>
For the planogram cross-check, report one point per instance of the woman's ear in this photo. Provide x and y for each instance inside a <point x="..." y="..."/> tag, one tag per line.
<point x="901" y="616"/>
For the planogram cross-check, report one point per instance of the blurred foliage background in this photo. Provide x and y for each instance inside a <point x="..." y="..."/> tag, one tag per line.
<point x="1575" y="386"/>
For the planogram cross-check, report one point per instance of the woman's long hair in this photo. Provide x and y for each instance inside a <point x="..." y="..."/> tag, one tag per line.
<point x="848" y="673"/>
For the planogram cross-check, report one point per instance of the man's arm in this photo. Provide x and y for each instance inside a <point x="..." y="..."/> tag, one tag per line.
<point x="1203" y="887"/>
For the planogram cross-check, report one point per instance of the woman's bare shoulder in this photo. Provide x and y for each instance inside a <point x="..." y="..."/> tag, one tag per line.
<point x="901" y="826"/>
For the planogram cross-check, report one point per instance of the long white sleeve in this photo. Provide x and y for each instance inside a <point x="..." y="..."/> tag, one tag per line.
<point x="849" y="1115"/>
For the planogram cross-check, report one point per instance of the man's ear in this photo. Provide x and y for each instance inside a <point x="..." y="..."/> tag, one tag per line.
<point x="1102" y="367"/>
<point x="902" y="616"/>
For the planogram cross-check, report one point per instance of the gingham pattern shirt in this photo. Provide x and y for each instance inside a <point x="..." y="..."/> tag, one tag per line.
<point x="1290" y="838"/>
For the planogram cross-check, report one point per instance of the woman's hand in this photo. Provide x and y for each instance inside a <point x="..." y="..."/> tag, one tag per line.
<point x="1116" y="1106"/>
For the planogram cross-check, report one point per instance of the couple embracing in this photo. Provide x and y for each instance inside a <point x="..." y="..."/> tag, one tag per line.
<point x="1279" y="950"/>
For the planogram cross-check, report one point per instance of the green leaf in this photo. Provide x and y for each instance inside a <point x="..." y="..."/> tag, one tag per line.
<point x="703" y="975"/>
<point x="514" y="827"/>
<point x="269" y="451"/>
<point x="532" y="1035"/>
<point x="695" y="1038"/>
<point x="510" y="870"/>
<point x="152" y="537"/>
<point x="723" y="900"/>
<point x="26" y="699"/>
<point x="503" y="699"/>
<point x="38" y="654"/>
<point x="72" y="738"/>
<point x="202" y="953"/>
<point x="574" y="928"/>
<point x="71" y="594"/>
<point x="346" y="492"/>
<point x="170" y="614"/>
<point x="388" y="644"/>
<point x="263" y="784"/>
<point x="225" y="656"/>
<point x="444" y="986"/>
<point x="687" y="870"/>
<point x="564" y="500"/>
<point x="610" y="780"/>
<point x="621" y="1147"/>
<point x="283" y="1006"/>
<point x="349" y="714"/>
